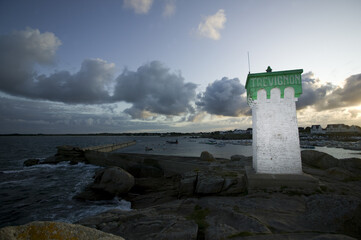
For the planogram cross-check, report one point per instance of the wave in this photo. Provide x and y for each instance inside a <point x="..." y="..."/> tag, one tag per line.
<point x="18" y="171"/>
<point x="50" y="166"/>
<point x="94" y="208"/>
<point x="12" y="182"/>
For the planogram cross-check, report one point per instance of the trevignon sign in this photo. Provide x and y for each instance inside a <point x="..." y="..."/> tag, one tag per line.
<point x="269" y="80"/>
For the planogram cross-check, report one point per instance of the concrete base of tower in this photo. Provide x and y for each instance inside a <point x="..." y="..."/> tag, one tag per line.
<point x="302" y="183"/>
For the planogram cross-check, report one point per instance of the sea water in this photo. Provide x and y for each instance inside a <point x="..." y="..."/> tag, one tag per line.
<point x="45" y="192"/>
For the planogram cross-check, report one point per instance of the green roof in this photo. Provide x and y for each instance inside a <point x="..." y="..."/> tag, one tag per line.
<point x="270" y="80"/>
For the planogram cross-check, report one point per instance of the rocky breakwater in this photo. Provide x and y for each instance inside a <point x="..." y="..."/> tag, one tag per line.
<point x="64" y="153"/>
<point x="213" y="203"/>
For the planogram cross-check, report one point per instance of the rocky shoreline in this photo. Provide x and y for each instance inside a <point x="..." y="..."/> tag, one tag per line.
<point x="208" y="198"/>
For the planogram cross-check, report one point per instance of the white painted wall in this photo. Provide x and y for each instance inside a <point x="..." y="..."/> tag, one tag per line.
<point x="276" y="146"/>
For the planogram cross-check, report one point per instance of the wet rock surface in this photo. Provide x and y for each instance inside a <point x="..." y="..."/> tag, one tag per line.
<point x="149" y="223"/>
<point x="31" y="162"/>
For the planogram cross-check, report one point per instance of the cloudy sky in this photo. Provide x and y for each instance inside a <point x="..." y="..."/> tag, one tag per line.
<point x="91" y="66"/>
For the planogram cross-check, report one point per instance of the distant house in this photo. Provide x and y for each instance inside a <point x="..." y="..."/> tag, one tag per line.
<point x="317" y="129"/>
<point x="342" y="128"/>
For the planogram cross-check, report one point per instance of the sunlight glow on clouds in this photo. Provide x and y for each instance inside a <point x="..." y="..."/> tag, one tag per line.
<point x="139" y="6"/>
<point x="324" y="96"/>
<point x="211" y="25"/>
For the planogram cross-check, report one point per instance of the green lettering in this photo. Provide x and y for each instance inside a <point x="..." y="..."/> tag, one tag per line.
<point x="280" y="82"/>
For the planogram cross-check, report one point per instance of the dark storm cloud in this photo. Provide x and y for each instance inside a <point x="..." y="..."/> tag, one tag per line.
<point x="152" y="88"/>
<point x="347" y="96"/>
<point x="224" y="97"/>
<point x="22" y="50"/>
<point x="313" y="92"/>
<point x="87" y="86"/>
<point x="155" y="89"/>
<point x="327" y="96"/>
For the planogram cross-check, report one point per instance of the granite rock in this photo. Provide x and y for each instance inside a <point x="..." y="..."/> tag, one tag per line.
<point x="113" y="180"/>
<point x="318" y="159"/>
<point x="206" y="156"/>
<point x="54" y="230"/>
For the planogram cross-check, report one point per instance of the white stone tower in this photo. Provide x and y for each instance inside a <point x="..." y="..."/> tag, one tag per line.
<point x="272" y="97"/>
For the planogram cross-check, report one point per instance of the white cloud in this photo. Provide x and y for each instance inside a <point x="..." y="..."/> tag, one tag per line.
<point x="139" y="6"/>
<point x="211" y="25"/>
<point x="169" y="8"/>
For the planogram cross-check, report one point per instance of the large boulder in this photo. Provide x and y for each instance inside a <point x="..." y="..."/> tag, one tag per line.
<point x="54" y="230"/>
<point x="217" y="181"/>
<point x="208" y="183"/>
<point x="234" y="185"/>
<point x="318" y="159"/>
<point x="31" y="162"/>
<point x="146" y="170"/>
<point x="206" y="156"/>
<point x="187" y="183"/>
<point x="113" y="180"/>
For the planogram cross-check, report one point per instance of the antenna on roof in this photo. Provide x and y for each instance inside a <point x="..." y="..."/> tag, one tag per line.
<point x="249" y="65"/>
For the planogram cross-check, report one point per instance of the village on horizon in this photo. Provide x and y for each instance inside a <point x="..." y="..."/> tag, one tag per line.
<point x="331" y="129"/>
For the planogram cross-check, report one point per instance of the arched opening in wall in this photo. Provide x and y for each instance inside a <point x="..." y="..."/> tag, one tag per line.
<point x="275" y="95"/>
<point x="289" y="93"/>
<point x="261" y="95"/>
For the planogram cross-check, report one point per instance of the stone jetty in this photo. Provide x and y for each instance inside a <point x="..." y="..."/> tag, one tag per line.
<point x="76" y="154"/>
<point x="109" y="147"/>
